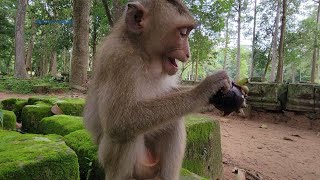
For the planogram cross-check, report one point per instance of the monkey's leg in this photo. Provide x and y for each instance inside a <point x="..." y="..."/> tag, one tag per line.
<point x="172" y="146"/>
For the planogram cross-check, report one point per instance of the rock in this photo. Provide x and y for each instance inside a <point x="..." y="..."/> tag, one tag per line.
<point x="264" y="126"/>
<point x="80" y="142"/>
<point x="36" y="157"/>
<point x="32" y="115"/>
<point x="203" y="151"/>
<point x="8" y="119"/>
<point x="60" y="124"/>
<point x="15" y="105"/>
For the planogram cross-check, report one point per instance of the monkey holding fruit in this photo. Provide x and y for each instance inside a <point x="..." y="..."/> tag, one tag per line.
<point x="134" y="109"/>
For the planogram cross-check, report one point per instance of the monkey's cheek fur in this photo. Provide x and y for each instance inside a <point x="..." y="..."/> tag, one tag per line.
<point x="170" y="66"/>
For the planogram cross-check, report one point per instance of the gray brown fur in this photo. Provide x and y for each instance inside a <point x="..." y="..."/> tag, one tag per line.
<point x="133" y="104"/>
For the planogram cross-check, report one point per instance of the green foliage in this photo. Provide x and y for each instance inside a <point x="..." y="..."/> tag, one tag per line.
<point x="36" y="157"/>
<point x="25" y="86"/>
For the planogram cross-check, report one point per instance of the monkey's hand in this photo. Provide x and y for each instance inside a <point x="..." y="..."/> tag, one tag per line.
<point x="212" y="84"/>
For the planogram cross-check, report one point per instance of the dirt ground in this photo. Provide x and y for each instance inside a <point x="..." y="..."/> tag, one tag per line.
<point x="283" y="149"/>
<point x="273" y="146"/>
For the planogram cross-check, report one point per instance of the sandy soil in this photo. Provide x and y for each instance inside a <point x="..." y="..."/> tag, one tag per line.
<point x="275" y="152"/>
<point x="284" y="149"/>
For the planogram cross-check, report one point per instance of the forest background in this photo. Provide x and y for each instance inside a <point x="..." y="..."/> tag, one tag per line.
<point x="263" y="40"/>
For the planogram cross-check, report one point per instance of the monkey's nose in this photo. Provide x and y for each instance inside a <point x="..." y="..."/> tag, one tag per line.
<point x="188" y="55"/>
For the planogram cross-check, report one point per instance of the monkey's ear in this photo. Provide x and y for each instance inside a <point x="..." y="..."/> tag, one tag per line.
<point x="135" y="17"/>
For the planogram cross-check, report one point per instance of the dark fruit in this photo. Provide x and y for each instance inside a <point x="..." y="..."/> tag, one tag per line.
<point x="229" y="101"/>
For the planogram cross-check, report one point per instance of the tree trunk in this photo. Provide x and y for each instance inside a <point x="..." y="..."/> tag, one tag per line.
<point x="253" y="39"/>
<point x="94" y="44"/>
<point x="20" y="65"/>
<point x="281" y="48"/>
<point x="108" y="12"/>
<point x="267" y="65"/>
<point x="80" y="52"/>
<point x="274" y="43"/>
<point x="315" y="56"/>
<point x="238" y="41"/>
<point x="293" y="73"/>
<point x="53" y="67"/>
<point x="30" y="46"/>
<point x="197" y="68"/>
<point x="227" y="42"/>
<point x="117" y="9"/>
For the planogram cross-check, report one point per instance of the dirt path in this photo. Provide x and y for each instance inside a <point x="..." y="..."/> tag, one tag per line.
<point x="277" y="152"/>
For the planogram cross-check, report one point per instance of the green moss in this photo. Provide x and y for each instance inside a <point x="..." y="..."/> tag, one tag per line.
<point x="71" y="106"/>
<point x="15" y="105"/>
<point x="45" y="99"/>
<point x="203" y="152"/>
<point x="32" y="115"/>
<point x="36" y="157"/>
<point x="80" y="142"/>
<point x="187" y="175"/>
<point x="9" y="119"/>
<point x="60" y="124"/>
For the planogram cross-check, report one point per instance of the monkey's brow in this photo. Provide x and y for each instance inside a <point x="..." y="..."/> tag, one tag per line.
<point x="181" y="9"/>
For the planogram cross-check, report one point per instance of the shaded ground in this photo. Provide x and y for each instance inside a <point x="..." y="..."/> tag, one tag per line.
<point x="286" y="149"/>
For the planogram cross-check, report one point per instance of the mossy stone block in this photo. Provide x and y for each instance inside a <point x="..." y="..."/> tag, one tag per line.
<point x="41" y="88"/>
<point x="36" y="157"/>
<point x="71" y="106"/>
<point x="33" y="114"/>
<point x="45" y="99"/>
<point x="264" y="95"/>
<point x="80" y="142"/>
<point x="60" y="124"/>
<point x="317" y="98"/>
<point x="203" y="154"/>
<point x="8" y="119"/>
<point x="301" y="97"/>
<point x="15" y="105"/>
<point x="187" y="175"/>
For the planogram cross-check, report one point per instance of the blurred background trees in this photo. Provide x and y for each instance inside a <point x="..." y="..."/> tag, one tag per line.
<point x="232" y="34"/>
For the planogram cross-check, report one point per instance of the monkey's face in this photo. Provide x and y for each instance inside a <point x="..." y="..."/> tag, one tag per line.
<point x="177" y="50"/>
<point x="162" y="28"/>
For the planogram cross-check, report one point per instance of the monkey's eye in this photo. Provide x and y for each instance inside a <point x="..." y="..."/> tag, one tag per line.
<point x="183" y="31"/>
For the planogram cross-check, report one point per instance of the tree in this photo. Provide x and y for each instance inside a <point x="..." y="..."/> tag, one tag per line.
<point x="279" y="78"/>
<point x="80" y="52"/>
<point x="315" y="56"/>
<point x="274" y="43"/>
<point x="20" y="66"/>
<point x="253" y="38"/>
<point x="227" y="42"/>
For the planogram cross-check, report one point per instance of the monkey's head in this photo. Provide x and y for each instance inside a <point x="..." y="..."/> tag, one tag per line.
<point x="161" y="28"/>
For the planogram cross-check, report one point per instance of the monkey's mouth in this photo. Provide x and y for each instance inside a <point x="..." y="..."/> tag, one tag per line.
<point x="173" y="61"/>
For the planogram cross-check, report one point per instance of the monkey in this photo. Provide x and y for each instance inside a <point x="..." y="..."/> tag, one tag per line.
<point x="134" y="108"/>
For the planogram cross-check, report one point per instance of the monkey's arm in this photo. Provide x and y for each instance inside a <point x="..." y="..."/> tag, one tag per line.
<point x="183" y="88"/>
<point x="146" y="115"/>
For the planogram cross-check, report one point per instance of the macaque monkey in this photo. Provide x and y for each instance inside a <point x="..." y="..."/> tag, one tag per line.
<point x="134" y="108"/>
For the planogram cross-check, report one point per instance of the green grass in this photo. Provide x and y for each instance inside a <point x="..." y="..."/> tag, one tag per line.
<point x="25" y="86"/>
